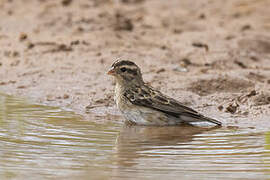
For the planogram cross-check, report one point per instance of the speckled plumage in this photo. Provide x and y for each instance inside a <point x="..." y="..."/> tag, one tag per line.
<point x="142" y="105"/>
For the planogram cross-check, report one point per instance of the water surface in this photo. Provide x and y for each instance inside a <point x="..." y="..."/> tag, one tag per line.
<point x="41" y="142"/>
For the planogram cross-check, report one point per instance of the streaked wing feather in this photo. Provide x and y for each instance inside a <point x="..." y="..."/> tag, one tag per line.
<point x="147" y="97"/>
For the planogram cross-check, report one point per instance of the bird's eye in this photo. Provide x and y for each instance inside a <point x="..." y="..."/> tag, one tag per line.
<point x="123" y="69"/>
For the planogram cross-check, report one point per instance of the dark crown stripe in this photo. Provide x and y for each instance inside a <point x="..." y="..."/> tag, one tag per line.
<point x="124" y="62"/>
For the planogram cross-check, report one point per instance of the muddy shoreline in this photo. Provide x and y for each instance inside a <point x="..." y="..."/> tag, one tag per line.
<point x="212" y="56"/>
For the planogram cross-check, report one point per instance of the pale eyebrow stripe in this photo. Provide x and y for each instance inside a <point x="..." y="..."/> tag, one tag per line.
<point x="131" y="67"/>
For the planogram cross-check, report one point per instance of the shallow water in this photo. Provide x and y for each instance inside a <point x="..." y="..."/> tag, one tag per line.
<point x="41" y="142"/>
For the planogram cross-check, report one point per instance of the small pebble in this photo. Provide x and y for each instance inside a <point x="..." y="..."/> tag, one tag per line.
<point x="180" y="69"/>
<point x="23" y="36"/>
<point x="66" y="96"/>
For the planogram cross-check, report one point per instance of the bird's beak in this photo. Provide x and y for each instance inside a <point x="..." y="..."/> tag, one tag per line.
<point x="111" y="71"/>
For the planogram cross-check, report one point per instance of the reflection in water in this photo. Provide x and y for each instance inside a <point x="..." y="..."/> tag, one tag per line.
<point x="135" y="139"/>
<point x="190" y="153"/>
<point x="41" y="142"/>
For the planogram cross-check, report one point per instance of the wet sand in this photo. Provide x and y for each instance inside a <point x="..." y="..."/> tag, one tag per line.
<point x="211" y="55"/>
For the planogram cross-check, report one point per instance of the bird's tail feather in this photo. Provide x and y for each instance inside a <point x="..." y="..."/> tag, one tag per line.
<point x="211" y="120"/>
<point x="198" y="118"/>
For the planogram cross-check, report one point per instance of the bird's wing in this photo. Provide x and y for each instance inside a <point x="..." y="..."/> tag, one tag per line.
<point x="147" y="97"/>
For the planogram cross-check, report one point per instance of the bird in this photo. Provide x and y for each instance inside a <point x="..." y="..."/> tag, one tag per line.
<point x="141" y="104"/>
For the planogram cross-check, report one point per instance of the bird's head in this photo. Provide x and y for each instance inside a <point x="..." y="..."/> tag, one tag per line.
<point x="126" y="72"/>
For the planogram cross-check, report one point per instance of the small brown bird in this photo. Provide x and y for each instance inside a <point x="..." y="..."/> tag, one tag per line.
<point x="142" y="105"/>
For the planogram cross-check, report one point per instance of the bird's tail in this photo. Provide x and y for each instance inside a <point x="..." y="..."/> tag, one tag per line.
<point x="211" y="120"/>
<point x="197" y="118"/>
